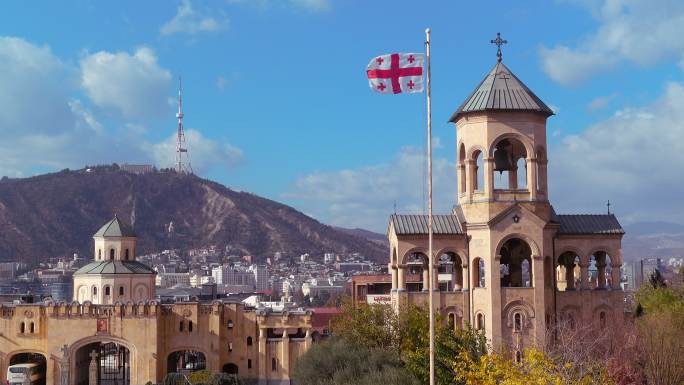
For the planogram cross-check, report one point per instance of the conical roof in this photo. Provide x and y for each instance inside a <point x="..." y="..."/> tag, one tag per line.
<point x="501" y="90"/>
<point x="115" y="228"/>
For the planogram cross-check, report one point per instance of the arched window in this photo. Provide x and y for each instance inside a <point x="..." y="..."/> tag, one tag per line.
<point x="107" y="291"/>
<point x="121" y="291"/>
<point x="452" y="320"/>
<point x="461" y="164"/>
<point x="111" y="254"/>
<point x="509" y="164"/>
<point x="518" y="356"/>
<point x="249" y="341"/>
<point x="249" y="363"/>
<point x="99" y="254"/>
<point x="32" y="328"/>
<point x="190" y="326"/>
<point x="478" y="272"/>
<point x="515" y="263"/>
<point x="602" y="319"/>
<point x="181" y="326"/>
<point x="126" y="255"/>
<point x="478" y="171"/>
<point x="22" y="328"/>
<point x="94" y="290"/>
<point x="480" y="322"/>
<point x="517" y="322"/>
<point x="274" y="365"/>
<point x="521" y="169"/>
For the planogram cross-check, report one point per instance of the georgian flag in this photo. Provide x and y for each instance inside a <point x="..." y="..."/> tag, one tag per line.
<point x="396" y="73"/>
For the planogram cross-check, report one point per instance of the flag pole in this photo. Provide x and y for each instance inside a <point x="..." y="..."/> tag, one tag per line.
<point x="431" y="275"/>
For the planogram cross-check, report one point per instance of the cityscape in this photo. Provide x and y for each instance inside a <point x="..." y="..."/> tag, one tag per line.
<point x="317" y="192"/>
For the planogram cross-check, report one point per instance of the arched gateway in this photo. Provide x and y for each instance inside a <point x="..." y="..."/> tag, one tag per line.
<point x="104" y="361"/>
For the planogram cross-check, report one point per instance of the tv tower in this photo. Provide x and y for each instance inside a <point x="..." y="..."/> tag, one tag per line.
<point x="182" y="162"/>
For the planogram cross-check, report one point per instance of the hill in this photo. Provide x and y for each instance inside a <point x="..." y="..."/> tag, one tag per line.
<point x="56" y="214"/>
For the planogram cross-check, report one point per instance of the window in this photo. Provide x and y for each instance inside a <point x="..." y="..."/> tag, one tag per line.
<point x="126" y="255"/>
<point x="94" y="290"/>
<point x="99" y="254"/>
<point x="274" y="365"/>
<point x="22" y="328"/>
<point x="478" y="273"/>
<point x="230" y="346"/>
<point x="249" y="364"/>
<point x="480" y="322"/>
<point x="517" y="322"/>
<point x="111" y="254"/>
<point x="190" y="326"/>
<point x="180" y="328"/>
<point x="230" y="324"/>
<point x="249" y="341"/>
<point x="602" y="320"/>
<point x="121" y="291"/>
<point x="32" y="328"/>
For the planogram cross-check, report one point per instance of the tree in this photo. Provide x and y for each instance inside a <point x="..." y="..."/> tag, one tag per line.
<point x="656" y="280"/>
<point x="337" y="361"/>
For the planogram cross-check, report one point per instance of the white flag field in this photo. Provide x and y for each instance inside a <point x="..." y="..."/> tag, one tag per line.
<point x="396" y="73"/>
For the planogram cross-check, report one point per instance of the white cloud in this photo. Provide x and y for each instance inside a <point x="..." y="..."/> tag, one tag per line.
<point x="204" y="153"/>
<point x="364" y="197"/>
<point x="640" y="31"/>
<point x="634" y="159"/>
<point x="188" y="20"/>
<point x="133" y="85"/>
<point x="600" y="102"/>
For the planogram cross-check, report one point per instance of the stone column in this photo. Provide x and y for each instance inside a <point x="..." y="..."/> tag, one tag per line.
<point x="584" y="276"/>
<point x="461" y="178"/>
<point x="471" y="179"/>
<point x="263" y="357"/>
<point x="285" y="354"/>
<point x="532" y="184"/>
<point x="426" y="277"/>
<point x="401" y="278"/>
<point x="465" y="277"/>
<point x="513" y="178"/>
<point x="395" y="278"/>
<point x="615" y="275"/>
<point x="601" y="275"/>
<point x="489" y="177"/>
<point x="570" y="276"/>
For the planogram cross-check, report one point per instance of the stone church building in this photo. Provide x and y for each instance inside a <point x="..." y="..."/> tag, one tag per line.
<point x="507" y="263"/>
<point x="116" y="333"/>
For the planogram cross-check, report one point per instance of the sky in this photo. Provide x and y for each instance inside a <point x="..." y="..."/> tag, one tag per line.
<point x="276" y="101"/>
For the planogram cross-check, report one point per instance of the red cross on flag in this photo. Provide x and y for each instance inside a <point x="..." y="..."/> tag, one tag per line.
<point x="396" y="73"/>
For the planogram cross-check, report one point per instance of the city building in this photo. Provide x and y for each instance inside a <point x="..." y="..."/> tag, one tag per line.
<point x="518" y="269"/>
<point x="128" y="337"/>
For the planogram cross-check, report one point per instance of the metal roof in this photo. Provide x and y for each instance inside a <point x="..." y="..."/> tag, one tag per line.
<point x="587" y="224"/>
<point x="115" y="228"/>
<point x="418" y="224"/>
<point x="501" y="90"/>
<point x="115" y="267"/>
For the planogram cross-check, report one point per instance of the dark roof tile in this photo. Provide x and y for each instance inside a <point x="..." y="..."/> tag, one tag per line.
<point x="588" y="224"/>
<point x="413" y="224"/>
<point x="115" y="267"/>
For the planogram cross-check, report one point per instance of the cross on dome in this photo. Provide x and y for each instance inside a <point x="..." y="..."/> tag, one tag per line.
<point x="498" y="42"/>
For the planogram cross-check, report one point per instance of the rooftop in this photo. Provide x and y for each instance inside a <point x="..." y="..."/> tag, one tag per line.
<point x="588" y="224"/>
<point x="115" y="267"/>
<point x="115" y="228"/>
<point x="501" y="90"/>
<point x="414" y="224"/>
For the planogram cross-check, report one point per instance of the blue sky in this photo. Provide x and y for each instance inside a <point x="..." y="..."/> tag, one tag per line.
<point x="277" y="103"/>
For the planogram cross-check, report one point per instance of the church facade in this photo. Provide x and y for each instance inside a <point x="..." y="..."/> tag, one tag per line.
<point x="115" y="332"/>
<point x="506" y="262"/>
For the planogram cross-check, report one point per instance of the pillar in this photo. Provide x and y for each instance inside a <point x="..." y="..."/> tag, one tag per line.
<point x="461" y="178"/>
<point x="489" y="177"/>
<point x="570" y="276"/>
<point x="285" y="355"/>
<point x="395" y="278"/>
<point x="532" y="185"/>
<point x="471" y="180"/>
<point x="263" y="357"/>
<point x="401" y="278"/>
<point x="513" y="178"/>
<point x="584" y="276"/>
<point x="426" y="277"/>
<point x="601" y="275"/>
<point x="615" y="276"/>
<point x="92" y="369"/>
<point x="465" y="278"/>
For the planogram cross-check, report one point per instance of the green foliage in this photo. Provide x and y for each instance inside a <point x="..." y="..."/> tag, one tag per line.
<point x="340" y="362"/>
<point x="662" y="300"/>
<point x="406" y="333"/>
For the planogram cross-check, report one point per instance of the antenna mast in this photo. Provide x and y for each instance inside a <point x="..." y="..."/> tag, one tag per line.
<point x="182" y="162"/>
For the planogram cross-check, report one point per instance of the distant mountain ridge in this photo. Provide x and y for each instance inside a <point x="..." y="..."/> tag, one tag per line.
<point x="56" y="214"/>
<point x="653" y="239"/>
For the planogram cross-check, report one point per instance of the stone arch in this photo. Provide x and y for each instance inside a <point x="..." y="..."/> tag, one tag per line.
<point x="477" y="272"/>
<point x="533" y="245"/>
<point x="570" y="316"/>
<point x="520" y="307"/>
<point x="202" y="363"/>
<point x="458" y="263"/>
<point x="472" y="151"/>
<point x="230" y="368"/>
<point x="515" y="256"/>
<point x="461" y="152"/>
<point x="77" y="345"/>
<point x="510" y="135"/>
<point x="571" y="249"/>
<point x="597" y="249"/>
<point x="140" y="292"/>
<point x="413" y="250"/>
<point x="454" y="316"/>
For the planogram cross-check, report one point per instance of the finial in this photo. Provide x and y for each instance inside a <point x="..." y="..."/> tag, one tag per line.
<point x="499" y="42"/>
<point x="608" y="204"/>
